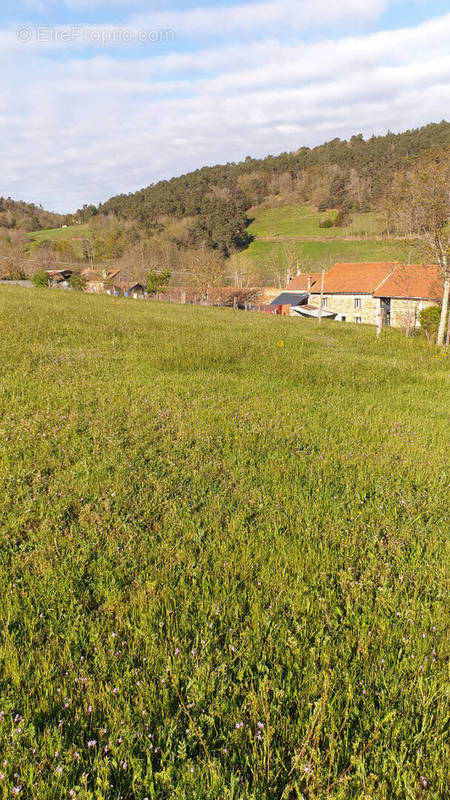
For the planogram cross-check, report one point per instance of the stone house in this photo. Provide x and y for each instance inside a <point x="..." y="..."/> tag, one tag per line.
<point x="406" y="291"/>
<point x="98" y="281"/>
<point x="361" y="292"/>
<point x="348" y="290"/>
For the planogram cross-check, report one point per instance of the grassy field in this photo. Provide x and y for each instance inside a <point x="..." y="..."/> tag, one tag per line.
<point x="303" y="221"/>
<point x="222" y="554"/>
<point x="317" y="255"/>
<point x="291" y="227"/>
<point x="72" y="234"/>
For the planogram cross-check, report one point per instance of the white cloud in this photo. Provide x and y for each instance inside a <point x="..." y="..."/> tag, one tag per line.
<point x="79" y="131"/>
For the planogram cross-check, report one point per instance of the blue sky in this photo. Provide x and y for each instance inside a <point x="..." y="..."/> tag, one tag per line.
<point x="105" y="96"/>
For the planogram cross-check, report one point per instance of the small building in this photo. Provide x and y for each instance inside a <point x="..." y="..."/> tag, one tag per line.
<point x="59" y="278"/>
<point x="129" y="289"/>
<point x="100" y="281"/>
<point x="288" y="300"/>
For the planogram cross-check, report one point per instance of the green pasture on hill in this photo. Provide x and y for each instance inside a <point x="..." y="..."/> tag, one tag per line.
<point x="314" y="255"/>
<point x="222" y="552"/>
<point x="303" y="221"/>
<point x="281" y="231"/>
<point x="74" y="234"/>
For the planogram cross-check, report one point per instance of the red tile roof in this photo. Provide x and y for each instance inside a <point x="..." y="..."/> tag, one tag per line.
<point x="414" y="281"/>
<point x="300" y="282"/>
<point x="358" y="278"/>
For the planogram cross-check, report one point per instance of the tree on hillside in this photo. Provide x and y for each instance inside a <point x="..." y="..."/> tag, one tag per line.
<point x="420" y="206"/>
<point x="221" y="225"/>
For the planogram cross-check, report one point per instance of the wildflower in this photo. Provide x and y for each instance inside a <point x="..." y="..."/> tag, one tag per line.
<point x="92" y="743"/>
<point x="59" y="770"/>
<point x="115" y="690"/>
<point x="17" y="790"/>
<point x="280" y="343"/>
<point x="424" y="782"/>
<point x="76" y="756"/>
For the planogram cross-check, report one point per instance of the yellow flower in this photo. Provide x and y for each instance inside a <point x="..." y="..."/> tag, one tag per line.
<point x="280" y="343"/>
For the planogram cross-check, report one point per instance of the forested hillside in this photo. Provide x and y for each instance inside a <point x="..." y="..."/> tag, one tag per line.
<point x="17" y="215"/>
<point x="353" y="175"/>
<point x="248" y="224"/>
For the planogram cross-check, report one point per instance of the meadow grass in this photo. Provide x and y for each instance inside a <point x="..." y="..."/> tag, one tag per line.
<point x="303" y="221"/>
<point x="72" y="234"/>
<point x="317" y="255"/>
<point x="222" y="554"/>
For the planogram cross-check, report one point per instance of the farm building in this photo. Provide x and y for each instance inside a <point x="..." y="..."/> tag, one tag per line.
<point x="98" y="281"/>
<point x="361" y="292"/>
<point x="286" y="301"/>
<point x="406" y="291"/>
<point x="59" y="277"/>
<point x="129" y="289"/>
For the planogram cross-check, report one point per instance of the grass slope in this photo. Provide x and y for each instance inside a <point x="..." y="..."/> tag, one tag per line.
<point x="72" y="234"/>
<point x="222" y="559"/>
<point x="298" y="227"/>
<point x="303" y="221"/>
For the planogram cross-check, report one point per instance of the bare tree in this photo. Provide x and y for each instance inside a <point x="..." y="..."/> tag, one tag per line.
<point x="206" y="269"/>
<point x="420" y="207"/>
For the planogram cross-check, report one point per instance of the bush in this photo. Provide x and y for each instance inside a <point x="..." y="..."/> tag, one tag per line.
<point x="341" y="219"/>
<point x="157" y="281"/>
<point x="77" y="281"/>
<point x="429" y="321"/>
<point x="326" y="223"/>
<point x="40" y="279"/>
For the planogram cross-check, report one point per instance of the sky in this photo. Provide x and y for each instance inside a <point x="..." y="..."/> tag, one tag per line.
<point x="99" y="97"/>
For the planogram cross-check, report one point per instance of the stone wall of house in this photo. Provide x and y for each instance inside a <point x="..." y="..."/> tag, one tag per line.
<point x="400" y="309"/>
<point x="345" y="304"/>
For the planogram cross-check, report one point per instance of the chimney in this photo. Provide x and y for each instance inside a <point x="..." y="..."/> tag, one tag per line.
<point x="105" y="274"/>
<point x="309" y="283"/>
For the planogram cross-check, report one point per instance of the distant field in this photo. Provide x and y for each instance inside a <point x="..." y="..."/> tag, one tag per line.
<point x="280" y="230"/>
<point x="222" y="550"/>
<point x="318" y="255"/>
<point x="70" y="234"/>
<point x="303" y="221"/>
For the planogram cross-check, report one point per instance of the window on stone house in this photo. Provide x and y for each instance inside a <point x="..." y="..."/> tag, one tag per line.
<point x="357" y="302"/>
<point x="358" y="319"/>
<point x="324" y="302"/>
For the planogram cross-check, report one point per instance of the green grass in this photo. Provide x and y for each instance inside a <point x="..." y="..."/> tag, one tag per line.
<point x="303" y="221"/>
<point x="222" y="560"/>
<point x="286" y="228"/>
<point x="71" y="234"/>
<point x="317" y="255"/>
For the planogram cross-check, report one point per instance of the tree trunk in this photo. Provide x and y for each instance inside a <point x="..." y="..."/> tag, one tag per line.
<point x="443" y="320"/>
<point x="319" y="315"/>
